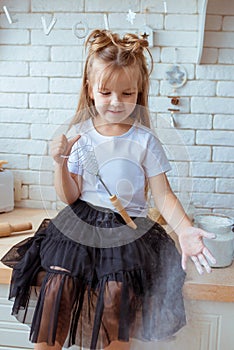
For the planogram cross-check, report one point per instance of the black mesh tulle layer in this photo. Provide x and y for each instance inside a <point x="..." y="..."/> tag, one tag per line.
<point x="87" y="279"/>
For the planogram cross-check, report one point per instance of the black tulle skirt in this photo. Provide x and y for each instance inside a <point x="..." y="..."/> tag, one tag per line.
<point x="86" y="278"/>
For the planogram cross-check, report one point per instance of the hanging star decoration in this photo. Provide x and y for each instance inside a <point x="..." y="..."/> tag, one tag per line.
<point x="176" y="76"/>
<point x="131" y="16"/>
<point x="144" y="35"/>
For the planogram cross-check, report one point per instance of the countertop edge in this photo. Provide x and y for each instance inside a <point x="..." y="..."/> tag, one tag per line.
<point x="208" y="292"/>
<point x="191" y="290"/>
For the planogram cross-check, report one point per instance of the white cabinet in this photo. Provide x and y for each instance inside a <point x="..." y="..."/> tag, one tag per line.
<point x="13" y="335"/>
<point x="209" y="327"/>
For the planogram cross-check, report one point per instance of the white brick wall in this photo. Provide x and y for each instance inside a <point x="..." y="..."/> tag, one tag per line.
<point x="40" y="78"/>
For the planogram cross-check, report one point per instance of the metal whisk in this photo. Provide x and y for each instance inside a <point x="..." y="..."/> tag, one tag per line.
<point x="87" y="159"/>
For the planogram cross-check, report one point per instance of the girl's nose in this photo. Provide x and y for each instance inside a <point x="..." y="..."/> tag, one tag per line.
<point x="115" y="100"/>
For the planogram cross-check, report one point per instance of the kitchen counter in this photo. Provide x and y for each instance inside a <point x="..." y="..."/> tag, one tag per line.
<point x="216" y="286"/>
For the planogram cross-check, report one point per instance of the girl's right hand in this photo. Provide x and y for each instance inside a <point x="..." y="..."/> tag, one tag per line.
<point x="61" y="146"/>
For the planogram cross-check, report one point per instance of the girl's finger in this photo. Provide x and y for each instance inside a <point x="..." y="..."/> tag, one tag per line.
<point x="208" y="255"/>
<point x="204" y="262"/>
<point x="71" y="143"/>
<point x="206" y="234"/>
<point x="197" y="264"/>
<point x="183" y="261"/>
<point x="73" y="140"/>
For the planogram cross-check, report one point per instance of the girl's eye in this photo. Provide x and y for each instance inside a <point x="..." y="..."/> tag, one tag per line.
<point x="104" y="93"/>
<point x="128" y="93"/>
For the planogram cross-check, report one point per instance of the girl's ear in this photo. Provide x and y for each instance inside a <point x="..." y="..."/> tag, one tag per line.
<point x="90" y="90"/>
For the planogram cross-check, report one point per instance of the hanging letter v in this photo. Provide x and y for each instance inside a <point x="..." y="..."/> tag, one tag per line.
<point x="48" y="29"/>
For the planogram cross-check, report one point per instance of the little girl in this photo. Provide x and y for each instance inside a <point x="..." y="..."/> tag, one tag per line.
<point x="87" y="277"/>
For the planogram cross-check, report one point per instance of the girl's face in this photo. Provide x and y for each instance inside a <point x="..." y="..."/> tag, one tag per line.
<point x="115" y="99"/>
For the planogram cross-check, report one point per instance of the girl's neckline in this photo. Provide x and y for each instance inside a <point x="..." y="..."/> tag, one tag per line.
<point x="126" y="131"/>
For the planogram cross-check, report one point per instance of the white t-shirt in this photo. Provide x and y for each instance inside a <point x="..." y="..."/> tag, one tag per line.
<point x="122" y="162"/>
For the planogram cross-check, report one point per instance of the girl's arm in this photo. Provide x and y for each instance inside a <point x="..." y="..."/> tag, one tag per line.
<point x="190" y="238"/>
<point x="67" y="185"/>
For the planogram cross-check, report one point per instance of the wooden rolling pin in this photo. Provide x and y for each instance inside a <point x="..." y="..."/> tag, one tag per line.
<point x="6" y="229"/>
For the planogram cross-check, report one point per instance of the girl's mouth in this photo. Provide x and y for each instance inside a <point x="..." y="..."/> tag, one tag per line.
<point x="115" y="112"/>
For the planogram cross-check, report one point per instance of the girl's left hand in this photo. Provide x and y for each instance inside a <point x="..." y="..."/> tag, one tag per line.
<point x="191" y="243"/>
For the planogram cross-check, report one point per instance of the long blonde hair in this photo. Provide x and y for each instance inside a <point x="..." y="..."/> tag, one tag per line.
<point x="116" y="53"/>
